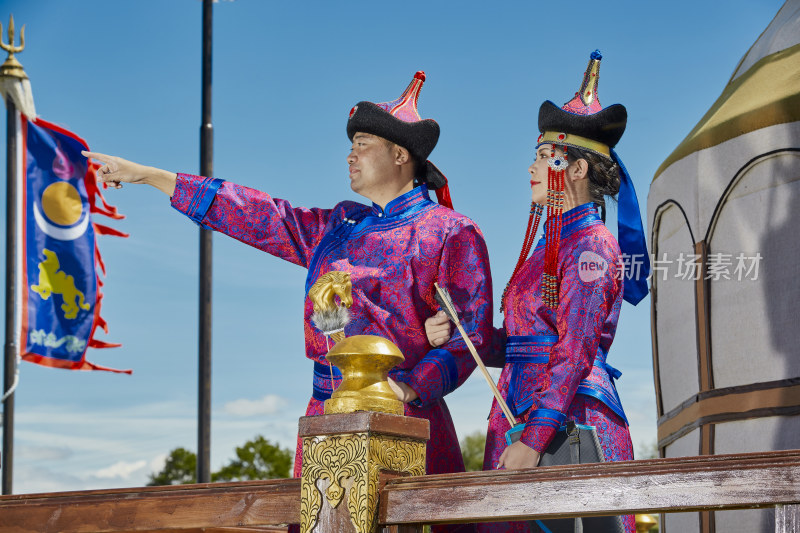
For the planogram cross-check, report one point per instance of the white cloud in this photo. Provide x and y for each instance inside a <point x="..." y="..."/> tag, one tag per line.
<point x="157" y="462"/>
<point x="268" y="405"/>
<point x="120" y="469"/>
<point x="44" y="453"/>
<point x="59" y="448"/>
<point x="36" y="479"/>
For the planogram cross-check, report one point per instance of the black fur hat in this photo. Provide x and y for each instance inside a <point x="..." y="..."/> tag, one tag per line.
<point x="606" y="126"/>
<point x="400" y="123"/>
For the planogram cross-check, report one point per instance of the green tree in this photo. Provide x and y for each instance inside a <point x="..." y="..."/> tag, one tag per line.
<point x="179" y="469"/>
<point x="256" y="459"/>
<point x="647" y="451"/>
<point x="472" y="451"/>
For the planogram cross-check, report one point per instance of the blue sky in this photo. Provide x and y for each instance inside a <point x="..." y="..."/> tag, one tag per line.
<point x="125" y="76"/>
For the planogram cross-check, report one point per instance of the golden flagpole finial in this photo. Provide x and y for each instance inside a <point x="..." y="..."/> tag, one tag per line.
<point x="12" y="67"/>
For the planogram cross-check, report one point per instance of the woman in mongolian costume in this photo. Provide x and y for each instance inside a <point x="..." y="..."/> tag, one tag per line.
<point x="562" y="304"/>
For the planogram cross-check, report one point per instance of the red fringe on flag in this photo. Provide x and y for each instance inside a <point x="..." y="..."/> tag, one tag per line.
<point x="93" y="192"/>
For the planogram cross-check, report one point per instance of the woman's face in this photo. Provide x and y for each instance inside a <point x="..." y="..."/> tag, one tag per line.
<point x="538" y="171"/>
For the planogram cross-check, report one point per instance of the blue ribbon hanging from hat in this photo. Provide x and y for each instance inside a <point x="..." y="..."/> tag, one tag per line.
<point x="630" y="234"/>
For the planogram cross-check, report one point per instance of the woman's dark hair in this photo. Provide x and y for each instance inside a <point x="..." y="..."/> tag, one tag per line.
<point x="603" y="176"/>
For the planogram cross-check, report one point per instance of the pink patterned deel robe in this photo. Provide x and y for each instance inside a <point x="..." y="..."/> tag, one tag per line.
<point x="394" y="256"/>
<point x="555" y="366"/>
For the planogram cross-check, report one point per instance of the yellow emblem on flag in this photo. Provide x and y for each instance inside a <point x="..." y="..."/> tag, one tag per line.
<point x="54" y="281"/>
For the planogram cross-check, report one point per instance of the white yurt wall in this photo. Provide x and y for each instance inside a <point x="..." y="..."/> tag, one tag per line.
<point x="726" y="345"/>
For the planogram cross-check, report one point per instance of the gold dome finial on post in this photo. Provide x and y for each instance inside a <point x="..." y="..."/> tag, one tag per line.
<point x="365" y="362"/>
<point x="12" y="67"/>
<point x="645" y="522"/>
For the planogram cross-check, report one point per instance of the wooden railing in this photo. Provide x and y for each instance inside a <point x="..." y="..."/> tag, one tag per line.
<point x="706" y="483"/>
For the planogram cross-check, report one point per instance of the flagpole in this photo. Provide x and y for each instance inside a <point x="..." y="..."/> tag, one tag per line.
<point x="204" y="345"/>
<point x="11" y="348"/>
<point x="11" y="73"/>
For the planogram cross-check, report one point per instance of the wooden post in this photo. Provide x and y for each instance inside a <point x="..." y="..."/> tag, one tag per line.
<point x="787" y="519"/>
<point x="347" y="458"/>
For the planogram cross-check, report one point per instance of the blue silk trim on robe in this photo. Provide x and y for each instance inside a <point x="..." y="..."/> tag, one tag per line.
<point x="610" y="397"/>
<point x="576" y="218"/>
<point x="446" y="365"/>
<point x="547" y="417"/>
<point x="327" y="243"/>
<point x="323" y="388"/>
<point x="202" y="200"/>
<point x="398" y="212"/>
<point x="535" y="349"/>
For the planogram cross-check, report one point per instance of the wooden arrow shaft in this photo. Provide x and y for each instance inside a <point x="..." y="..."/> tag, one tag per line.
<point x="497" y="396"/>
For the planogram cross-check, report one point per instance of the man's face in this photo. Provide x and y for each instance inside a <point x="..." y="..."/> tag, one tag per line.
<point x="372" y="164"/>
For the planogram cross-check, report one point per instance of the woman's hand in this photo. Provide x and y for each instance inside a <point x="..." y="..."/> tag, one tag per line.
<point x="403" y="391"/>
<point x="116" y="171"/>
<point x="517" y="456"/>
<point x="438" y="329"/>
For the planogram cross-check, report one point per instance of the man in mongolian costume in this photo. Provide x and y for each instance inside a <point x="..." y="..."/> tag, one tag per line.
<point x="563" y="302"/>
<point x="394" y="251"/>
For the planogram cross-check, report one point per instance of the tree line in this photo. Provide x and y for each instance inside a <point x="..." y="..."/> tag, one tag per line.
<point x="261" y="459"/>
<point x="255" y="459"/>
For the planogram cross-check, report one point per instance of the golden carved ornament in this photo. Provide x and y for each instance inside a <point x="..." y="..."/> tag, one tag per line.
<point x="390" y="454"/>
<point x="359" y="459"/>
<point x="335" y="458"/>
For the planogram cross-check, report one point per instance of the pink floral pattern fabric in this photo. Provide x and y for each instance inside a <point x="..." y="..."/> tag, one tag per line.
<point x="574" y="382"/>
<point x="394" y="256"/>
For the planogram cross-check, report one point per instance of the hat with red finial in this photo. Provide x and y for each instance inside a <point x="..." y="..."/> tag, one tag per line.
<point x="398" y="121"/>
<point x="583" y="122"/>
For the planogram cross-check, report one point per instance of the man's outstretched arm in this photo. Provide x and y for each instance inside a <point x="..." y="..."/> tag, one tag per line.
<point x="116" y="171"/>
<point x="248" y="215"/>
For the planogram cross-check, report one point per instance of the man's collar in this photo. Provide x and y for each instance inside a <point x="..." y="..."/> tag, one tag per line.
<point x="402" y="203"/>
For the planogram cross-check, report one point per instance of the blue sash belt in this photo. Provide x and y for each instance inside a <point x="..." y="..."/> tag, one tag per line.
<point x="323" y="387"/>
<point x="529" y="356"/>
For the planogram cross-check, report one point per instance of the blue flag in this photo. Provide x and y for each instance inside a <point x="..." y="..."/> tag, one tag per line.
<point x="60" y="282"/>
